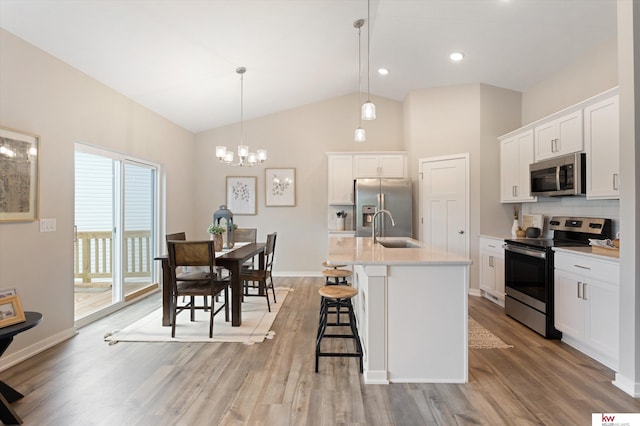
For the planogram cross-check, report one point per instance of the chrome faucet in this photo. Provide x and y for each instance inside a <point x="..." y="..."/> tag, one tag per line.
<point x="373" y="227"/>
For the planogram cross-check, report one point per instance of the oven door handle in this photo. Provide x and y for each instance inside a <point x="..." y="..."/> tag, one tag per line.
<point x="526" y="252"/>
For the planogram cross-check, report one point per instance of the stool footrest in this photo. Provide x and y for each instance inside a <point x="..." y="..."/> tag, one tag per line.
<point x="340" y="354"/>
<point x="340" y="336"/>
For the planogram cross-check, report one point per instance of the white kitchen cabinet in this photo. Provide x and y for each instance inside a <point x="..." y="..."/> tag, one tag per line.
<point x="340" y="179"/>
<point x="586" y="304"/>
<point x="516" y="153"/>
<point x="492" y="269"/>
<point x="380" y="165"/>
<point x="602" y="145"/>
<point x="559" y="137"/>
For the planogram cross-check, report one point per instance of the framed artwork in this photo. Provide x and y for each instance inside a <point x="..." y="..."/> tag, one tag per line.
<point x="280" y="187"/>
<point x="7" y="292"/>
<point x="241" y="194"/>
<point x="19" y="187"/>
<point x="11" y="311"/>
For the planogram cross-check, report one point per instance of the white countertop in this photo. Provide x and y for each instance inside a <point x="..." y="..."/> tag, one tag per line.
<point x="613" y="255"/>
<point x="361" y="251"/>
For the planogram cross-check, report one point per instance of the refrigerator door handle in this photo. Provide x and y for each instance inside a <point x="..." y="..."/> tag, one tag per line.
<point x="382" y="221"/>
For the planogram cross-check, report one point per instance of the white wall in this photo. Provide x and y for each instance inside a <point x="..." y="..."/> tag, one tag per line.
<point x="465" y="119"/>
<point x="296" y="138"/>
<point x="595" y="72"/>
<point x="44" y="96"/>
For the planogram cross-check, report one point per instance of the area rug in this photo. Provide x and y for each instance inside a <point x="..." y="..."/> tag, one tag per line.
<point x="256" y="325"/>
<point x="481" y="338"/>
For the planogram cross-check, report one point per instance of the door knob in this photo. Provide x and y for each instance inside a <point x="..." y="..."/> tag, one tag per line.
<point x="460" y="231"/>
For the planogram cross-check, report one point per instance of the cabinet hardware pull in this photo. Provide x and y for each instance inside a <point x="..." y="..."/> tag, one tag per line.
<point x="615" y="182"/>
<point x="582" y="267"/>
<point x="584" y="291"/>
<point x="492" y="246"/>
<point x="491" y="261"/>
<point x="579" y="286"/>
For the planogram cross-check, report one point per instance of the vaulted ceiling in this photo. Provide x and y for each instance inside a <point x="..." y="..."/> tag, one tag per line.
<point x="178" y="57"/>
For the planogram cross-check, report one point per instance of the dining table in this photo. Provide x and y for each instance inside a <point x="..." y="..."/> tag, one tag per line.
<point x="230" y="259"/>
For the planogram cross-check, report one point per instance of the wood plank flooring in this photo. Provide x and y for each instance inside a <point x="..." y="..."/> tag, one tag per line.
<point x="85" y="381"/>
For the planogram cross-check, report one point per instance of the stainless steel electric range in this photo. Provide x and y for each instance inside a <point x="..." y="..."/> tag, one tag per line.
<point x="529" y="270"/>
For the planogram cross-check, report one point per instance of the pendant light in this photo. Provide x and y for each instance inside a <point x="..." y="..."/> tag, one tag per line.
<point x="359" y="134"/>
<point x="368" y="108"/>
<point x="245" y="158"/>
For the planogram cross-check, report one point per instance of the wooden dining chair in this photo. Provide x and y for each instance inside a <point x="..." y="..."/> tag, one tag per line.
<point x="262" y="276"/>
<point x="246" y="235"/>
<point x="197" y="283"/>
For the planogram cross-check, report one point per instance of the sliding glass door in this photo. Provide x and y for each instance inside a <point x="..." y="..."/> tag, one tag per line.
<point x="116" y="231"/>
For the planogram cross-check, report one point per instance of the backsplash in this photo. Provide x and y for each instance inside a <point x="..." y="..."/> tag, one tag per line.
<point x="332" y="217"/>
<point x="574" y="206"/>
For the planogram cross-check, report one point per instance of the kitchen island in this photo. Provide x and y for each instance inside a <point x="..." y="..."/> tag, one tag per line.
<point x="411" y="308"/>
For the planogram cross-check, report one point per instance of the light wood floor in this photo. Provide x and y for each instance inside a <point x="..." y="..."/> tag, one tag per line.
<point x="84" y="381"/>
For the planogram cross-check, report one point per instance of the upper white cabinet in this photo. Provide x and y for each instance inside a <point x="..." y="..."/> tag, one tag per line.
<point x="558" y="137"/>
<point x="344" y="167"/>
<point x="516" y="153"/>
<point x="602" y="144"/>
<point x="380" y="165"/>
<point x="586" y="292"/>
<point x="340" y="179"/>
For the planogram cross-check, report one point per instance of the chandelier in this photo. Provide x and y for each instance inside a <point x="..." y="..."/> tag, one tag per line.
<point x="245" y="158"/>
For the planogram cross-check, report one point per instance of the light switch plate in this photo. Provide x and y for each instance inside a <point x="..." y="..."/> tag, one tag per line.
<point x="47" y="225"/>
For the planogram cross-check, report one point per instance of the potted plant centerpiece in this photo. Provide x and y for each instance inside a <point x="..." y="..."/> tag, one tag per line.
<point x="215" y="232"/>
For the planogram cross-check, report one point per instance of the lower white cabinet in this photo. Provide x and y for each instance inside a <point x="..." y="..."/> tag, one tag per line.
<point x="587" y="304"/>
<point x="492" y="268"/>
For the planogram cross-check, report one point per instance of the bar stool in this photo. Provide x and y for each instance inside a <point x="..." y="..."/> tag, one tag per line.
<point x="338" y="297"/>
<point x="338" y="275"/>
<point x="333" y="272"/>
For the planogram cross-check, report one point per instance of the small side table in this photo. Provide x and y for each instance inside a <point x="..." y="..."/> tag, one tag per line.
<point x="7" y="393"/>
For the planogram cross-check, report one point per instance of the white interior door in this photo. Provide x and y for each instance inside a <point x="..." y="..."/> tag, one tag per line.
<point x="444" y="203"/>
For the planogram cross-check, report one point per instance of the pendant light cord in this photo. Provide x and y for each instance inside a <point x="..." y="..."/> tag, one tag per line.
<point x="359" y="75"/>
<point x="242" y="108"/>
<point x="368" y="50"/>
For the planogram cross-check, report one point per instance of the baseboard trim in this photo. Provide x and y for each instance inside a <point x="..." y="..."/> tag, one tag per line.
<point x="375" y="377"/>
<point x="36" y="348"/>
<point x="627" y="385"/>
<point x="475" y="292"/>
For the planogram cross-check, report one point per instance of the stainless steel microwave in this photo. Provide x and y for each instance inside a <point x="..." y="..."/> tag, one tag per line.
<point x="559" y="176"/>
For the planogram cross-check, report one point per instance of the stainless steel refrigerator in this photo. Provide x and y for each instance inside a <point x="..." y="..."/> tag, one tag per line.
<point x="394" y="195"/>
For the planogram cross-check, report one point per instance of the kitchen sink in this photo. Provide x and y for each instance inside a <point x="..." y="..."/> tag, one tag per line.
<point x="398" y="244"/>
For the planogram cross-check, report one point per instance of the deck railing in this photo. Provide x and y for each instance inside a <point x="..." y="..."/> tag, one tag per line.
<point x="93" y="255"/>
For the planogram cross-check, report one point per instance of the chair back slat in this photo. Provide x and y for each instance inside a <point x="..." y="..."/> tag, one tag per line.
<point x="191" y="253"/>
<point x="270" y="250"/>
<point x="178" y="236"/>
<point x="245" y="235"/>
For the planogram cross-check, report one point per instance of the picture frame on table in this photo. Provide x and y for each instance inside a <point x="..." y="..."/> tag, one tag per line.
<point x="11" y="311"/>
<point x="241" y="195"/>
<point x="280" y="187"/>
<point x="19" y="159"/>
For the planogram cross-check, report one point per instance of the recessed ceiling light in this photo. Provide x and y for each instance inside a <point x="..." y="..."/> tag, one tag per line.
<point x="383" y="71"/>
<point x="456" y="56"/>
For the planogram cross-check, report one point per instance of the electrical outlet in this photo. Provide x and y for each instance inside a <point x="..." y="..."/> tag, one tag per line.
<point x="47" y="225"/>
